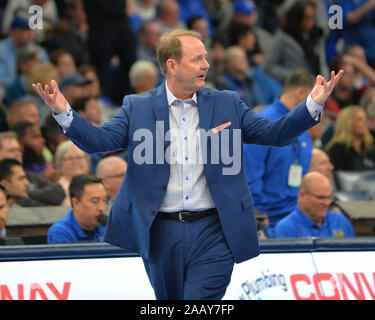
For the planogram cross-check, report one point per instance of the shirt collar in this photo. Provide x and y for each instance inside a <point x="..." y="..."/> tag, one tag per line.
<point x="171" y="98"/>
<point x="76" y="227"/>
<point x="306" y="220"/>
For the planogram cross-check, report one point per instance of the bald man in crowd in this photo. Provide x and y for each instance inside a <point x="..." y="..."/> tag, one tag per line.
<point x="312" y="218"/>
<point x="112" y="171"/>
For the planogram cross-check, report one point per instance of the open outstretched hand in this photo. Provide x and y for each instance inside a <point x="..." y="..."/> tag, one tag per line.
<point x="323" y="89"/>
<point x="55" y="100"/>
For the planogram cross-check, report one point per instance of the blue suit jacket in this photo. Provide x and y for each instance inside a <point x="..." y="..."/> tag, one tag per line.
<point x="144" y="185"/>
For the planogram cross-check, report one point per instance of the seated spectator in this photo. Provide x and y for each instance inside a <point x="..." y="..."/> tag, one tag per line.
<point x="359" y="26"/>
<point x="41" y="190"/>
<point x="32" y="144"/>
<point x="148" y="37"/>
<point x="23" y="110"/>
<point x="311" y="218"/>
<point x="364" y="74"/>
<point x="244" y="37"/>
<point x="94" y="89"/>
<point x="246" y="13"/>
<point x="88" y="199"/>
<point x="88" y="108"/>
<point x="345" y="93"/>
<point x="4" y="211"/>
<point x="168" y="15"/>
<point x="145" y="9"/>
<point x="70" y="32"/>
<point x="20" y="37"/>
<point x="21" y="8"/>
<point x="368" y="104"/>
<point x="321" y="163"/>
<point x="64" y="63"/>
<point x="73" y="86"/>
<point x="70" y="162"/>
<point x="53" y="137"/>
<point x="143" y="76"/>
<point x="14" y="179"/>
<point x="253" y="86"/>
<point x="200" y="25"/>
<point x="274" y="174"/>
<point x="27" y="59"/>
<point x="297" y="44"/>
<point x="111" y="170"/>
<point x="42" y="73"/>
<point x="351" y="147"/>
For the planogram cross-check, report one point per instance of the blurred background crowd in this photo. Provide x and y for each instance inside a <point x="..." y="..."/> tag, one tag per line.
<point x="99" y="51"/>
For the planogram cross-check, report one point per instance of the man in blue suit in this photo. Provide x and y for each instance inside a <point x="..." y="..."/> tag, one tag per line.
<point x="184" y="205"/>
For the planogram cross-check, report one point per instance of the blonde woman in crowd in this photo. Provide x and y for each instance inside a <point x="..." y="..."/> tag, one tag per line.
<point x="70" y="162"/>
<point x="351" y="147"/>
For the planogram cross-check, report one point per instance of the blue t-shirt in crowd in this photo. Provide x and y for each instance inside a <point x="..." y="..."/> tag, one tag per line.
<point x="299" y="225"/>
<point x="68" y="230"/>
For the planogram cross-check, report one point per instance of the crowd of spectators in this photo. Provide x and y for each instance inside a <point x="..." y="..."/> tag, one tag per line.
<point x="269" y="52"/>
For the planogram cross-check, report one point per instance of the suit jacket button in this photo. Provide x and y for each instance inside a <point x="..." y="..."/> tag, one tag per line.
<point x="164" y="188"/>
<point x="153" y="213"/>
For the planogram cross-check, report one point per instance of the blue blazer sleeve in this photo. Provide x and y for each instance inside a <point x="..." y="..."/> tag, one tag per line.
<point x="279" y="133"/>
<point x="111" y="136"/>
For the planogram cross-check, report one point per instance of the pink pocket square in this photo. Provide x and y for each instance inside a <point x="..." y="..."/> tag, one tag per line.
<point x="221" y="127"/>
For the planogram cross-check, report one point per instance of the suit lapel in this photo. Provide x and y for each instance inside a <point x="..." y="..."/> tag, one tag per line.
<point x="161" y="113"/>
<point x="205" y="109"/>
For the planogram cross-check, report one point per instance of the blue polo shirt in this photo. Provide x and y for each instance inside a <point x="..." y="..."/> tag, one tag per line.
<point x="299" y="225"/>
<point x="267" y="168"/>
<point x="68" y="230"/>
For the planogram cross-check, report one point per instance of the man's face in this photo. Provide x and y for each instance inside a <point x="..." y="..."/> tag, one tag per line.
<point x="65" y="65"/>
<point x="238" y="62"/>
<point x="191" y="71"/>
<point x="22" y="37"/>
<point x="320" y="162"/>
<point x="315" y="201"/>
<point x="90" y="206"/>
<point x="151" y="37"/>
<point x="93" y="112"/>
<point x="10" y="149"/>
<point x="112" y="179"/>
<point x="4" y="210"/>
<point x="17" y="183"/>
<point x="34" y="140"/>
<point x="28" y="113"/>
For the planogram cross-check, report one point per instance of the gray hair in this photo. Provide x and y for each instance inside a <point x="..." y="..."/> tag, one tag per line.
<point x="138" y="69"/>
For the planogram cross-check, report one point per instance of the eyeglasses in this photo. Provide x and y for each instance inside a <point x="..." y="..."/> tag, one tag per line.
<point x="119" y="175"/>
<point x="74" y="158"/>
<point x="330" y="197"/>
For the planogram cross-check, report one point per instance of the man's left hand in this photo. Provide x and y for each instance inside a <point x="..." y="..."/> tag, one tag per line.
<point x="323" y="89"/>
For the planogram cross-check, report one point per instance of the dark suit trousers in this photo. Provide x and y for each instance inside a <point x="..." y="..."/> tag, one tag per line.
<point x="189" y="260"/>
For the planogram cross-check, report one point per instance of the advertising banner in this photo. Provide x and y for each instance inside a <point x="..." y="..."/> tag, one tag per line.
<point x="270" y="276"/>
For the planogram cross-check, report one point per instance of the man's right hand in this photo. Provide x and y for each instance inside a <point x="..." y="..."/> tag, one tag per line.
<point x="55" y="100"/>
